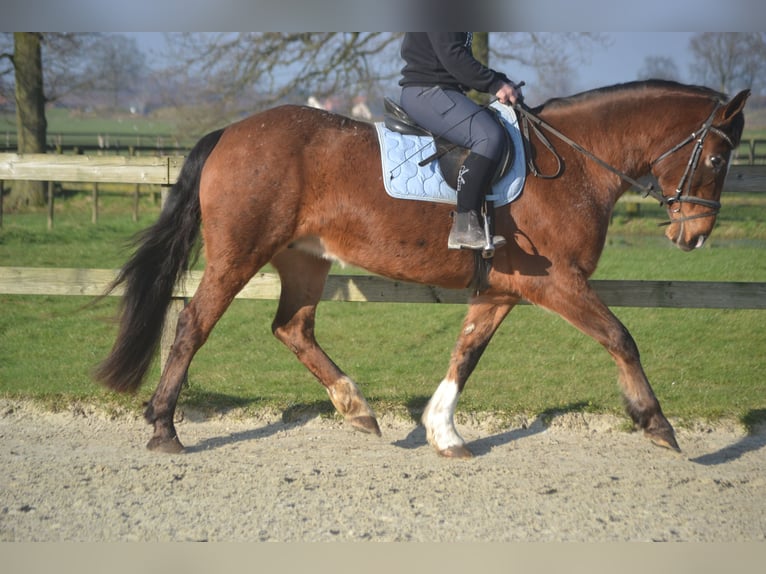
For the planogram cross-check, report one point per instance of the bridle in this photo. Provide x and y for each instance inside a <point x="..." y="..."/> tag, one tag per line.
<point x="683" y="189"/>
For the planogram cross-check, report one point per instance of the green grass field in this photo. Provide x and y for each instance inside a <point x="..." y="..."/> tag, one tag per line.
<point x="77" y="128"/>
<point x="703" y="364"/>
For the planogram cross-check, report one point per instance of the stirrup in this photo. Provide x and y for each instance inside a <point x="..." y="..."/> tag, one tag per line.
<point x="491" y="242"/>
<point x="488" y="251"/>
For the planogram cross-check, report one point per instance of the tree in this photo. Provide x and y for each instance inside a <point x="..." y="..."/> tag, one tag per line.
<point x="659" y="68"/>
<point x="552" y="56"/>
<point x="729" y="61"/>
<point x="44" y="67"/>
<point x="237" y="72"/>
<point x="480" y="48"/>
<point x="31" y="124"/>
<point x="116" y="68"/>
<point x="249" y="71"/>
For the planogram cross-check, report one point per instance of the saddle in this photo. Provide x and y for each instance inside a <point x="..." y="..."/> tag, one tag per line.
<point x="449" y="155"/>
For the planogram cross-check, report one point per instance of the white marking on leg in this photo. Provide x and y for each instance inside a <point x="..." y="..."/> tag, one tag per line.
<point x="348" y="399"/>
<point x="439" y="417"/>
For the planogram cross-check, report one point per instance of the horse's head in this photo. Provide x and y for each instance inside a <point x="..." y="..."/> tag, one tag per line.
<point x="695" y="170"/>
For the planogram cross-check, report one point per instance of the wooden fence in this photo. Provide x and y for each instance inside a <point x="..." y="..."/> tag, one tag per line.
<point x="117" y="143"/>
<point x="751" y="150"/>
<point x="163" y="170"/>
<point x="160" y="170"/>
<point x="374" y="289"/>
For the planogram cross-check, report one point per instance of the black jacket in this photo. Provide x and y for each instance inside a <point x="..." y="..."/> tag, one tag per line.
<point x="445" y="59"/>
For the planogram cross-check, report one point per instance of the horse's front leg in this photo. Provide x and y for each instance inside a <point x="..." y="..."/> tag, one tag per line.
<point x="481" y="322"/>
<point x="576" y="302"/>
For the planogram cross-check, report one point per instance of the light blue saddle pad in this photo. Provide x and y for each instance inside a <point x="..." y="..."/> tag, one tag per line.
<point x="405" y="179"/>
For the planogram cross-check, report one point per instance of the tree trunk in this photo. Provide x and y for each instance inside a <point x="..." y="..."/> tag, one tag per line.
<point x="480" y="47"/>
<point x="31" y="124"/>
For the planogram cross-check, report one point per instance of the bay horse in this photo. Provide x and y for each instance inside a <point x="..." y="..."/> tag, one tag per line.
<point x="300" y="188"/>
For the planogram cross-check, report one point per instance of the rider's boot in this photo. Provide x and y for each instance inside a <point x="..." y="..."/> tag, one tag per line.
<point x="466" y="232"/>
<point x="474" y="178"/>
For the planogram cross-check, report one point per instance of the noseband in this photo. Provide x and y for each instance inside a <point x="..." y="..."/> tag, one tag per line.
<point x="683" y="189"/>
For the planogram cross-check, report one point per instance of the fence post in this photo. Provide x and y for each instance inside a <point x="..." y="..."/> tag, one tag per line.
<point x="2" y="192"/>
<point x="94" y="209"/>
<point x="50" y="205"/>
<point x="136" y="201"/>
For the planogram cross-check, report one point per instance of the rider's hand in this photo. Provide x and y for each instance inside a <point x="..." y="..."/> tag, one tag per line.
<point x="509" y="94"/>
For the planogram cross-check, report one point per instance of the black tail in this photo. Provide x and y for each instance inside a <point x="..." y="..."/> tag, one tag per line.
<point x="162" y="254"/>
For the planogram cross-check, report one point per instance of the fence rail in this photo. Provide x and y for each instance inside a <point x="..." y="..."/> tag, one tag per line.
<point x="105" y="142"/>
<point x="163" y="170"/>
<point x="374" y="289"/>
<point x="752" y="150"/>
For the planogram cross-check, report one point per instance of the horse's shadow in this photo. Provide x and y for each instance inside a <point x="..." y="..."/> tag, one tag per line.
<point x="298" y="415"/>
<point x="754" y="440"/>
<point x="292" y="417"/>
<point x="417" y="437"/>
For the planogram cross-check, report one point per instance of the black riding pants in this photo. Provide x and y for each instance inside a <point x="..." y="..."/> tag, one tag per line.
<point x="455" y="117"/>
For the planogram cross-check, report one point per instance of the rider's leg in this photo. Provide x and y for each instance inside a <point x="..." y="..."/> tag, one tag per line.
<point x="474" y="180"/>
<point x="455" y="117"/>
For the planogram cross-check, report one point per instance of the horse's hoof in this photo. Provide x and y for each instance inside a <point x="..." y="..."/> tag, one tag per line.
<point x="168" y="446"/>
<point x="366" y="424"/>
<point x="458" y="451"/>
<point x="664" y="438"/>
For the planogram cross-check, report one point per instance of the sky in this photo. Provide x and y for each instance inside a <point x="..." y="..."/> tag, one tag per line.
<point x="622" y="61"/>
<point x="619" y="62"/>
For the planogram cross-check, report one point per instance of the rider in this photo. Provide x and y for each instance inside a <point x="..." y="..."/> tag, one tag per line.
<point x="439" y="69"/>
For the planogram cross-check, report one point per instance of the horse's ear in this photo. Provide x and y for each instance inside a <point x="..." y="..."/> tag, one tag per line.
<point x="735" y="105"/>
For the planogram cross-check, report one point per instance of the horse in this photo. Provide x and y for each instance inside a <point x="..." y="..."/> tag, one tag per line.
<point x="301" y="188"/>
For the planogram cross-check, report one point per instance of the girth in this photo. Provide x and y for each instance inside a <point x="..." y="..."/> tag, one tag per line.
<point x="450" y="156"/>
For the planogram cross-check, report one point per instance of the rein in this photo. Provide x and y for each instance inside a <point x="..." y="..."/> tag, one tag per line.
<point x="529" y="119"/>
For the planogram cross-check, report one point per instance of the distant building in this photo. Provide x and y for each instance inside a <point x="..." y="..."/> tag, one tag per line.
<point x="314" y="103"/>
<point x="360" y="109"/>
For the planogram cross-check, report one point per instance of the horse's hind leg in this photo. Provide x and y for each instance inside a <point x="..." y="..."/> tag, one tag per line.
<point x="482" y="320"/>
<point x="303" y="278"/>
<point x="213" y="296"/>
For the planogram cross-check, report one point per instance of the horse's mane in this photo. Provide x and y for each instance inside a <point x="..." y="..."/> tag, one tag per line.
<point x="637" y="86"/>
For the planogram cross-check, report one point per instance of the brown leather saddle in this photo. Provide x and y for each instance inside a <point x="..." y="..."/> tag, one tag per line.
<point x="450" y="156"/>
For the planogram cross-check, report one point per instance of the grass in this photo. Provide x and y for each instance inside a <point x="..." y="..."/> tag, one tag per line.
<point x="78" y="128"/>
<point x="74" y="241"/>
<point x="703" y="364"/>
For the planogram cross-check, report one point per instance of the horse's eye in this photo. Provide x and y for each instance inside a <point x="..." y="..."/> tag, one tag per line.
<point x="715" y="162"/>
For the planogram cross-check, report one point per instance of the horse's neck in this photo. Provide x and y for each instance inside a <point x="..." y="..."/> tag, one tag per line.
<point x="628" y="135"/>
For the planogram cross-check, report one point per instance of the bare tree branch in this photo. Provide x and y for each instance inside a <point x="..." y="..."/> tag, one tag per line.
<point x="553" y="56"/>
<point x="729" y="61"/>
<point x="252" y="70"/>
<point x="660" y="68"/>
